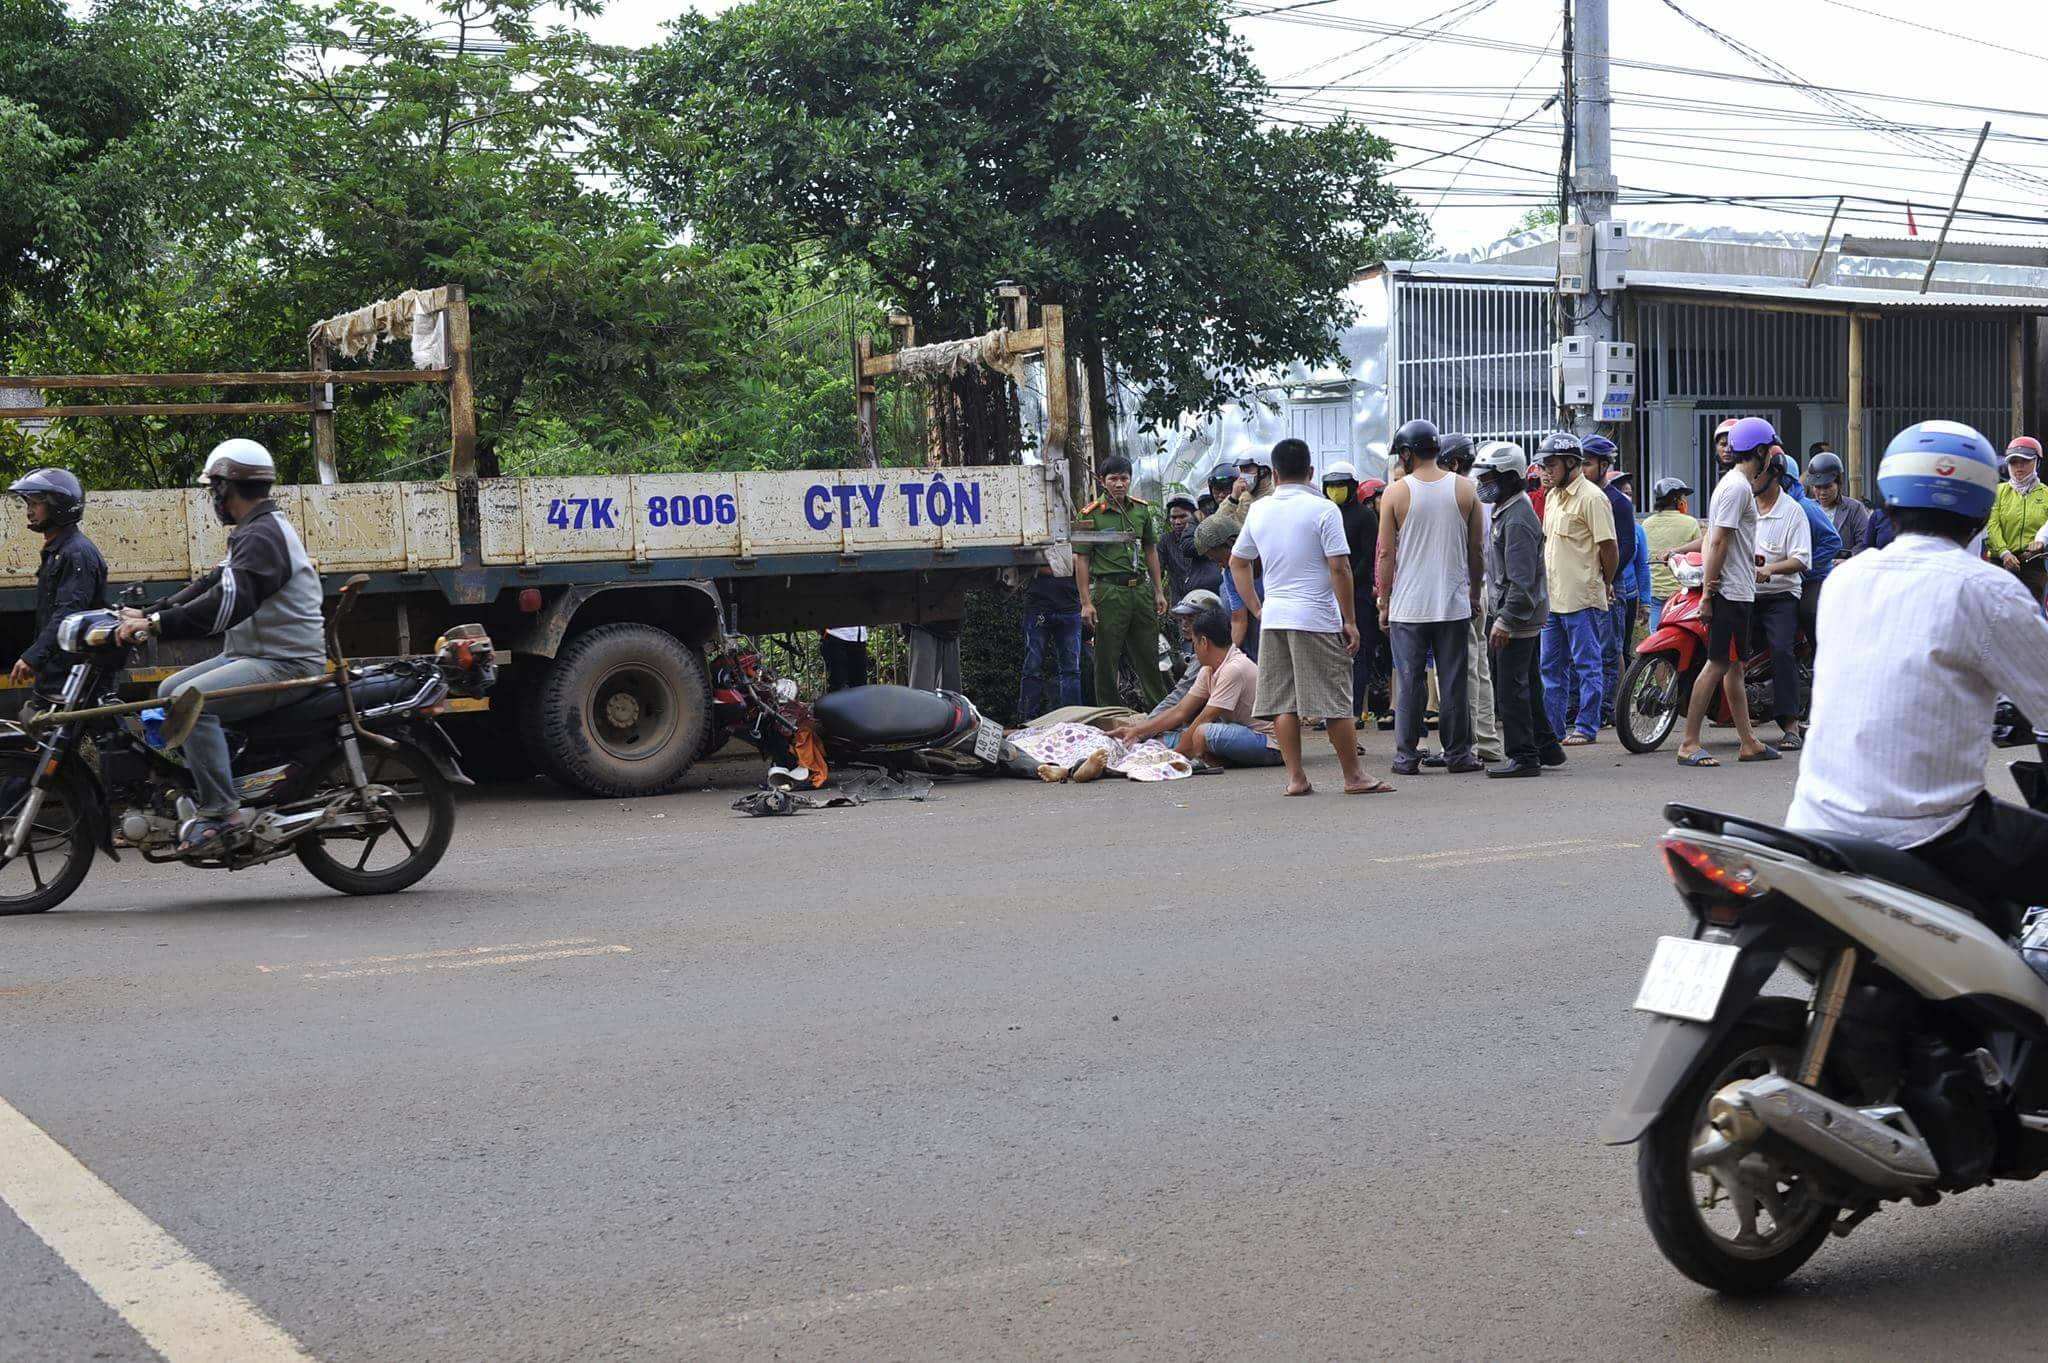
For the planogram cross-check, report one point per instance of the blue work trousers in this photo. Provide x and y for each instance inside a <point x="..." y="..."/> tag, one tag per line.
<point x="1571" y="669"/>
<point x="1061" y="633"/>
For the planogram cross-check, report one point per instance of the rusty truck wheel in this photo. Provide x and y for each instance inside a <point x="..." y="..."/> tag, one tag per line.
<point x="621" y="711"/>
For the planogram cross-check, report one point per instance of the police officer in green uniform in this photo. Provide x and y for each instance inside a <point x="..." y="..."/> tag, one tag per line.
<point x="1121" y="599"/>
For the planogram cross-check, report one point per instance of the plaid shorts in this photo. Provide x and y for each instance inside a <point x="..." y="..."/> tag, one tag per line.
<point x="1305" y="673"/>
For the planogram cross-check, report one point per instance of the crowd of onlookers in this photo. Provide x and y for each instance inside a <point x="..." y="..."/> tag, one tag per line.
<point x="1496" y="590"/>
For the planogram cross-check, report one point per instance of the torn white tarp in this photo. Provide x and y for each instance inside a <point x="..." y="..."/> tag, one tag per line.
<point x="418" y="315"/>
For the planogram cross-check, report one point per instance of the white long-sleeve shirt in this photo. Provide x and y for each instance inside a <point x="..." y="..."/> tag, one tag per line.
<point x="1917" y="642"/>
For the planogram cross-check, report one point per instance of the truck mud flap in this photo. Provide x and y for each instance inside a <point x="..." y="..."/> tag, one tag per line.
<point x="1674" y="1049"/>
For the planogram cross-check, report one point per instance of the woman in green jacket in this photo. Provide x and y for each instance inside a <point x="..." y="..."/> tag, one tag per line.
<point x="2019" y="513"/>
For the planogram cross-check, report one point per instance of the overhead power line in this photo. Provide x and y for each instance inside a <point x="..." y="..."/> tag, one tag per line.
<point x="1874" y="122"/>
<point x="1943" y="32"/>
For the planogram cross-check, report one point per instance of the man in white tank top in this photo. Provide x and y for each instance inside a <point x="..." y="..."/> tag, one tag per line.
<point x="1431" y="565"/>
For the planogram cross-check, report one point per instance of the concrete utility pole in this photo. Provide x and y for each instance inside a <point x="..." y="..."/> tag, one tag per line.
<point x="1593" y="184"/>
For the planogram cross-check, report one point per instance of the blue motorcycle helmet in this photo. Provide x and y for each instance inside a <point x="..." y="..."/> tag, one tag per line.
<point x="1749" y="435"/>
<point x="1940" y="466"/>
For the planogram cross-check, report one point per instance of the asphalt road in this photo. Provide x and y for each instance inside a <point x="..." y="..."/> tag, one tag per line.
<point x="1025" y="1072"/>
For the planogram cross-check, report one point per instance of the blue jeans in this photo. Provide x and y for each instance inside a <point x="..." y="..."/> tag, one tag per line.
<point x="1239" y="745"/>
<point x="1657" y="612"/>
<point x="1063" y="632"/>
<point x="1571" y="669"/>
<point x="1621" y="623"/>
<point x="207" y="755"/>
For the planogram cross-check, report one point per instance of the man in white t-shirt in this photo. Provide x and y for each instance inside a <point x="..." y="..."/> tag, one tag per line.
<point x="1784" y="543"/>
<point x="1728" y="594"/>
<point x="1308" y="630"/>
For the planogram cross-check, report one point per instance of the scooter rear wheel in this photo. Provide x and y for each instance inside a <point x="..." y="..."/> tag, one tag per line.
<point x="1738" y="1226"/>
<point x="1653" y="695"/>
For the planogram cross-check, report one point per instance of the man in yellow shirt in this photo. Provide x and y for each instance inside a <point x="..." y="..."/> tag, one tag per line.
<point x="1579" y="557"/>
<point x="1669" y="527"/>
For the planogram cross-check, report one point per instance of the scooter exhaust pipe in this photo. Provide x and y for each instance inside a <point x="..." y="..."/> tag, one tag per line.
<point x="1877" y="1146"/>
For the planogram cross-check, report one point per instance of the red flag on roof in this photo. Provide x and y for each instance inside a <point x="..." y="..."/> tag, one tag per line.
<point x="1912" y="228"/>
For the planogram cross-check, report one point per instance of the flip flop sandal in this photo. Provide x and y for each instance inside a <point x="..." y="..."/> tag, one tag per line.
<point x="203" y="837"/>
<point x="1791" y="743"/>
<point x="1702" y="758"/>
<point x="1769" y="754"/>
<point x="1377" y="787"/>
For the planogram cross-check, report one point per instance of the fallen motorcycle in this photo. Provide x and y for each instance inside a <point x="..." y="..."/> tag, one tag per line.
<point x="350" y="763"/>
<point x="939" y="733"/>
<point x="1658" y="684"/>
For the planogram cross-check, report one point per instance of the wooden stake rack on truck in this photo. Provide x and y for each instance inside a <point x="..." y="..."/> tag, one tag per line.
<point x="604" y="593"/>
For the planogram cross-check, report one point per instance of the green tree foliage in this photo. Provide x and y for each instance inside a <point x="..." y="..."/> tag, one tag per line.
<point x="1108" y="153"/>
<point x="305" y="159"/>
<point x="84" y="101"/>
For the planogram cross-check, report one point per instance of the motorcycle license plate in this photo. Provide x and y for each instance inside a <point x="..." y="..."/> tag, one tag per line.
<point x="988" y="741"/>
<point x="1685" y="978"/>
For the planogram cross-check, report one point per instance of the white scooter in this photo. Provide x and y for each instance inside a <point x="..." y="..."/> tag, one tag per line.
<point x="1915" y="1068"/>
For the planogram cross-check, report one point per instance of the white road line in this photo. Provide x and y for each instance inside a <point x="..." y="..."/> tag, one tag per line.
<point x="1528" y="856"/>
<point x="1465" y="851"/>
<point x="825" y="1308"/>
<point x="434" y="955"/>
<point x="179" y="1306"/>
<point x="414" y="967"/>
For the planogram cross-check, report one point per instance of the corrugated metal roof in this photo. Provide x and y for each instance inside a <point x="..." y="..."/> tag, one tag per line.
<point x="1760" y="288"/>
<point x="1795" y="291"/>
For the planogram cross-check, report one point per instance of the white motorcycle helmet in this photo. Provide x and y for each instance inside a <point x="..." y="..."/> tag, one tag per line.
<point x="1501" y="469"/>
<point x="239" y="460"/>
<point x="234" y="462"/>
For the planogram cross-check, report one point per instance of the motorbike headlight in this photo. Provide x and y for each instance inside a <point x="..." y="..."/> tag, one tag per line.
<point x="86" y="630"/>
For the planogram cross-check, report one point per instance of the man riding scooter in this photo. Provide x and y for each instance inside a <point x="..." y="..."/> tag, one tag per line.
<point x="265" y="597"/>
<point x="1916" y="645"/>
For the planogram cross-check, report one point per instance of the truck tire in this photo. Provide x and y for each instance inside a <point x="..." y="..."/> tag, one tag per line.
<point x="621" y="711"/>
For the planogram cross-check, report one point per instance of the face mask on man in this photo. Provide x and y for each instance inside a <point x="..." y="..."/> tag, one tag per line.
<point x="1339" y="493"/>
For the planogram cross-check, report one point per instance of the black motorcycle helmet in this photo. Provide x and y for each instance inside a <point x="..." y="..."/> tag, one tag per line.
<point x="1560" y="445"/>
<point x="1222" y="478"/>
<point x="1419" y="438"/>
<point x="60" y="490"/>
<point x="1455" y="452"/>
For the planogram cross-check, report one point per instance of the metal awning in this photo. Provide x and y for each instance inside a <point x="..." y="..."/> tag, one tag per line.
<point x="1760" y="289"/>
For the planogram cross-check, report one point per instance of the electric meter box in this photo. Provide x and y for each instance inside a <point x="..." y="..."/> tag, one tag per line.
<point x="1610" y="256"/>
<point x="1614" y="379"/>
<point x="1571" y="371"/>
<point x="1575" y="257"/>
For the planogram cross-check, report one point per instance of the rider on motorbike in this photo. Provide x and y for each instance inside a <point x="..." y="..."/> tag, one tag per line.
<point x="1916" y="645"/>
<point x="265" y="597"/>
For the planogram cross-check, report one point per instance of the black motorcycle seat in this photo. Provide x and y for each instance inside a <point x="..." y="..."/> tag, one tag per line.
<point x="1902" y="868"/>
<point x="320" y="703"/>
<point x="884" y="714"/>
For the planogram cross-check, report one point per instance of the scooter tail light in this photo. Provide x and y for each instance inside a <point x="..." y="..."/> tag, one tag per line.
<point x="1722" y="881"/>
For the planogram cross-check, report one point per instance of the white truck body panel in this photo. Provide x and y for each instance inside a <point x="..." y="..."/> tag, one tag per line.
<point x="744" y="515"/>
<point x="172" y="535"/>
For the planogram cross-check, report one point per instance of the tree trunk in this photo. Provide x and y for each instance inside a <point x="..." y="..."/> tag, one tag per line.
<point x="1101" y="440"/>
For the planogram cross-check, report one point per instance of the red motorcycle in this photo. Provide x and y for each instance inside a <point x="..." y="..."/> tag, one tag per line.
<point x="1658" y="685"/>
